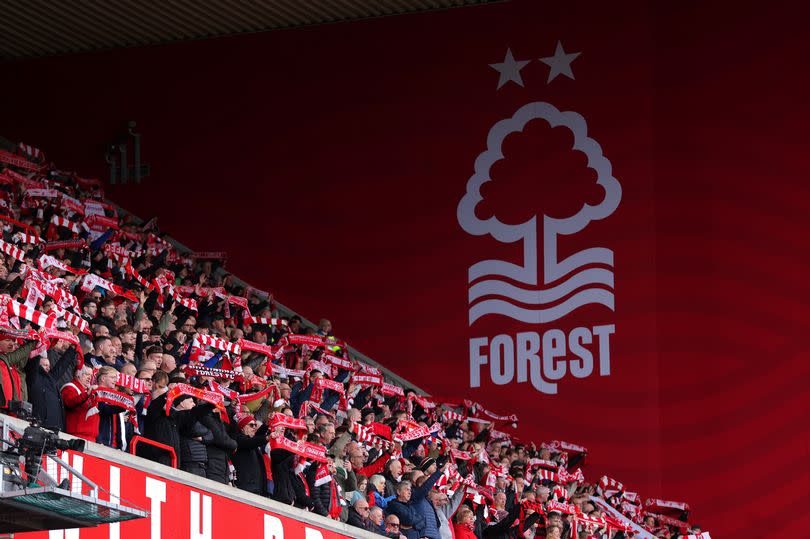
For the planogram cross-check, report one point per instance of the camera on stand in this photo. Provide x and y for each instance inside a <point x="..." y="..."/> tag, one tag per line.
<point x="32" y="497"/>
<point x="34" y="443"/>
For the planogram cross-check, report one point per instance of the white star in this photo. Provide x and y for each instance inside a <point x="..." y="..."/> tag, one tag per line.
<point x="560" y="63"/>
<point x="509" y="69"/>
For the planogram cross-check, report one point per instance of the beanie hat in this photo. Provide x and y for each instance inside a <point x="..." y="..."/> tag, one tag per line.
<point x="243" y="419"/>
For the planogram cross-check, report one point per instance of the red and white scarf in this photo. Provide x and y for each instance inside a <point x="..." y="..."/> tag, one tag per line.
<point x="366" y="435"/>
<point x="45" y="261"/>
<point x="270" y="391"/>
<point x="31" y="152"/>
<point x="653" y="503"/>
<point x="270" y="351"/>
<point x="78" y="243"/>
<point x="72" y="319"/>
<point x="14" y="308"/>
<point x="284" y="372"/>
<point x="188" y="303"/>
<point x="19" y="162"/>
<point x="102" y="223"/>
<point x="250" y="320"/>
<point x="71" y="204"/>
<point x="391" y="390"/>
<point x="12" y="250"/>
<point x="25" y="237"/>
<point x="210" y="397"/>
<point x="609" y="487"/>
<point x="339" y="362"/>
<point x="91" y="281"/>
<point x="283" y="420"/>
<point x="202" y="341"/>
<point x="115" y="398"/>
<point x="131" y="382"/>
<point x="301" y="448"/>
<point x="199" y="370"/>
<point x="74" y="227"/>
<point x="322" y="384"/>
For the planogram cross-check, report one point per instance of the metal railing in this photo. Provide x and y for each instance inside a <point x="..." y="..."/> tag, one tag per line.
<point x="133" y="444"/>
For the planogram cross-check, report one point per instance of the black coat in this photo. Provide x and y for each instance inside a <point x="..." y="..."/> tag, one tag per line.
<point x="44" y="393"/>
<point x="281" y="464"/>
<point x="220" y="447"/>
<point x="165" y="429"/>
<point x="321" y="495"/>
<point x="251" y="474"/>
<point x="191" y="449"/>
<point x="503" y="529"/>
<point x="356" y="519"/>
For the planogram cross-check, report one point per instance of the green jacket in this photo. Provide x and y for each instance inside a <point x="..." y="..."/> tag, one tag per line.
<point x="17" y="360"/>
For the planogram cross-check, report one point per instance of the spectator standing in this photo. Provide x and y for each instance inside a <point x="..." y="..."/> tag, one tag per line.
<point x="43" y="393"/>
<point x="12" y="370"/>
<point x="251" y="439"/>
<point x="81" y="412"/>
<point x="110" y="432"/>
<point x="407" y="506"/>
<point x="218" y="449"/>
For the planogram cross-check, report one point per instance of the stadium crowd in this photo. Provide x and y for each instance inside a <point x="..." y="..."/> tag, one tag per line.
<point x="115" y="335"/>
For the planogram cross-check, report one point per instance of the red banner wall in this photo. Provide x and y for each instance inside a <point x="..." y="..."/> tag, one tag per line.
<point x="646" y="168"/>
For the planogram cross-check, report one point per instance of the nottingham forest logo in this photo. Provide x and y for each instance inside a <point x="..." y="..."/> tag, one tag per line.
<point x="521" y="291"/>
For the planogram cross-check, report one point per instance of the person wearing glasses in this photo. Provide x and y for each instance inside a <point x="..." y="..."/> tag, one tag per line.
<point x="392" y="527"/>
<point x="251" y="474"/>
<point x="359" y="514"/>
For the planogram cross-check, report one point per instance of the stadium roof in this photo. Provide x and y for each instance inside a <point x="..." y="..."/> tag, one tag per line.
<point x="32" y="28"/>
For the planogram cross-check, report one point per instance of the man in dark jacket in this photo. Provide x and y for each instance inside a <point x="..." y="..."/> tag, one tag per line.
<point x="43" y="392"/>
<point x="106" y="311"/>
<point x="193" y="454"/>
<point x="251" y="474"/>
<point x="219" y="449"/>
<point x="282" y="463"/>
<point x="322" y="487"/>
<point x="393" y="475"/>
<point x="359" y="515"/>
<point x="504" y="528"/>
<point x="165" y="429"/>
<point x="300" y="393"/>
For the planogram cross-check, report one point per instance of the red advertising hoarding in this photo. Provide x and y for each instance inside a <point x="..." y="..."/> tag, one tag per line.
<point x="178" y="510"/>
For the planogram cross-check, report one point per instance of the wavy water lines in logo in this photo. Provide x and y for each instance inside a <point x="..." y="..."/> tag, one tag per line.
<point x="568" y="284"/>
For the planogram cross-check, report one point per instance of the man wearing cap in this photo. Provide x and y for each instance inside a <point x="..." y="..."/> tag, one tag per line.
<point x="251" y="474"/>
<point x="218" y="325"/>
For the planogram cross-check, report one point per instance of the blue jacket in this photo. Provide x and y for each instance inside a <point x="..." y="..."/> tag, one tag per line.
<point x="381" y="501"/>
<point x="432" y="524"/>
<point x="412" y="514"/>
<point x="109" y="426"/>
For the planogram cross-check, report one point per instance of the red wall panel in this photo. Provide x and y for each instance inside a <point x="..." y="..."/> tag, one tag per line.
<point x="330" y="162"/>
